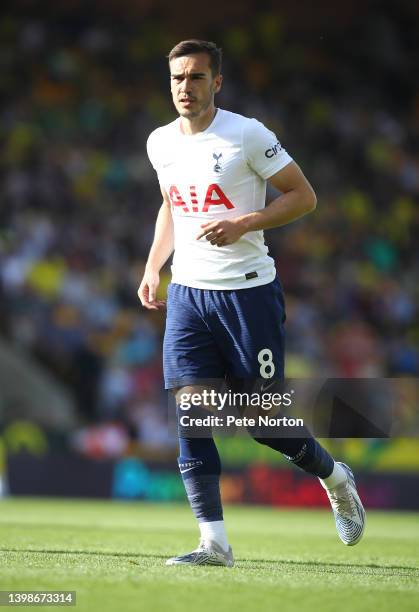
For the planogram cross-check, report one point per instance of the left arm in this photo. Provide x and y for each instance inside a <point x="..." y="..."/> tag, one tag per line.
<point x="297" y="199"/>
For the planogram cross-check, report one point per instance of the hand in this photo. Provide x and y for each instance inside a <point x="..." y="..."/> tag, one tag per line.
<point x="147" y="291"/>
<point x="222" y="233"/>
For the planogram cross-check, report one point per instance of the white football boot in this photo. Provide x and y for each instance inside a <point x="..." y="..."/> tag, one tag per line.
<point x="348" y="509"/>
<point x="207" y="553"/>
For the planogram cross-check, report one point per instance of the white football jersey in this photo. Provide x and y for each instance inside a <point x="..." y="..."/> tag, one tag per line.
<point x="219" y="173"/>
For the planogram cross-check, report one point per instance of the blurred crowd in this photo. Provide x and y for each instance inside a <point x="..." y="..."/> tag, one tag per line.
<point x="80" y="93"/>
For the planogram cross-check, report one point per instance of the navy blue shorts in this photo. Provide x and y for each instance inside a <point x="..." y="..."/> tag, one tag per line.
<point x="217" y="334"/>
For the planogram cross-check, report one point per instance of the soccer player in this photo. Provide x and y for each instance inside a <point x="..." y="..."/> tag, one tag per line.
<point x="225" y="309"/>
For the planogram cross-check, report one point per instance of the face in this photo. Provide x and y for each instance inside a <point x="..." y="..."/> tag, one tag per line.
<point x="193" y="85"/>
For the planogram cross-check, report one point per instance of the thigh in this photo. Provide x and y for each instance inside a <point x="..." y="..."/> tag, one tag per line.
<point x="190" y="352"/>
<point x="249" y="327"/>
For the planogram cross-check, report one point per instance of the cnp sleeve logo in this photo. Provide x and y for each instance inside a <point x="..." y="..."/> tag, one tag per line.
<point x="272" y="151"/>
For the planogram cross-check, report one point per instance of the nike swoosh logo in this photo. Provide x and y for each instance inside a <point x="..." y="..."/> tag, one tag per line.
<point x="266" y="387"/>
<point x="188" y="470"/>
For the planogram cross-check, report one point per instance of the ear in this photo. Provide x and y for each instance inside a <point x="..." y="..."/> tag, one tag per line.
<point x="218" y="82"/>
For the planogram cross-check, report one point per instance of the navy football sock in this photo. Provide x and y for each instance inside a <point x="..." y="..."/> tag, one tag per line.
<point x="200" y="468"/>
<point x="307" y="453"/>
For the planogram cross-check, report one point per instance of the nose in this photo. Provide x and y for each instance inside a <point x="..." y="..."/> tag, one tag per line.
<point x="186" y="84"/>
<point x="185" y="92"/>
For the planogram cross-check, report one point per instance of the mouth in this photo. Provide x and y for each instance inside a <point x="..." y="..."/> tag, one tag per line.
<point x="186" y="102"/>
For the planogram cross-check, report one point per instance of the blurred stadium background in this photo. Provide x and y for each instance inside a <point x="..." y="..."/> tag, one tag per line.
<point x="82" y="406"/>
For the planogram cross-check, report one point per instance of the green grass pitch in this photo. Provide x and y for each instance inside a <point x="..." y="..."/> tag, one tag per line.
<point x="113" y="553"/>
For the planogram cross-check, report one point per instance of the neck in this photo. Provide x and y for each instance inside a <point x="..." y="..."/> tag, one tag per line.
<point x="198" y="124"/>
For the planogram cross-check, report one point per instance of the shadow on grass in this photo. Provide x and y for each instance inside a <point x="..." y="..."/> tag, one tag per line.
<point x="249" y="564"/>
<point x="334" y="568"/>
<point x="100" y="553"/>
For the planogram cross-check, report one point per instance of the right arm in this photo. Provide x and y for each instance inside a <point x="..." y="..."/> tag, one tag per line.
<point x="160" y="251"/>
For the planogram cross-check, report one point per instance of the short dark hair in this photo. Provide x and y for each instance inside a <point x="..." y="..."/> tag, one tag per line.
<point x="189" y="47"/>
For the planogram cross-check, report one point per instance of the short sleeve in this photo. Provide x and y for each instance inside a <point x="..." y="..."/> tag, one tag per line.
<point x="151" y="150"/>
<point x="262" y="149"/>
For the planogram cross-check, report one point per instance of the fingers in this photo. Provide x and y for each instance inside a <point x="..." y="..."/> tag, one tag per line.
<point x="208" y="228"/>
<point x="212" y="232"/>
<point x="219" y="233"/>
<point x="156" y="305"/>
<point x="159" y="305"/>
<point x="151" y="293"/>
<point x="147" y="295"/>
<point x="143" y="295"/>
<point x="215" y="237"/>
